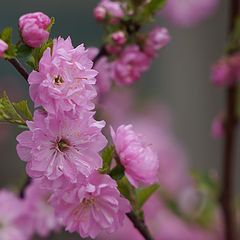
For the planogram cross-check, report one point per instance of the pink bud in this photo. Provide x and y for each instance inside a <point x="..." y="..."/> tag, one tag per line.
<point x="222" y="73"/>
<point x="33" y="28"/>
<point x="99" y="13"/>
<point x="156" y="39"/>
<point x="218" y="129"/>
<point x="3" y="47"/>
<point x="119" y="37"/>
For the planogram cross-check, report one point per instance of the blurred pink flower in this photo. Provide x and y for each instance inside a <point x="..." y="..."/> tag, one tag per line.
<point x="42" y="214"/>
<point x="218" y="129"/>
<point x="3" y="47"/>
<point x="34" y="28"/>
<point x="119" y="37"/>
<point x="65" y="80"/>
<point x="141" y="163"/>
<point x="104" y="69"/>
<point x="226" y="71"/>
<point x="14" y="219"/>
<point x="186" y="13"/>
<point x="130" y="65"/>
<point x="90" y="206"/>
<point x="112" y="9"/>
<point x="156" y="39"/>
<point x="57" y="145"/>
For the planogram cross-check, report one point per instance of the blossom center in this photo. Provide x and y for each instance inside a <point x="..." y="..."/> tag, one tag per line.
<point x="88" y="201"/>
<point x="58" y="80"/>
<point x="62" y="145"/>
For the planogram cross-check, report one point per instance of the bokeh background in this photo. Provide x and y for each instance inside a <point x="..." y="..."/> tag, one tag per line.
<point x="179" y="78"/>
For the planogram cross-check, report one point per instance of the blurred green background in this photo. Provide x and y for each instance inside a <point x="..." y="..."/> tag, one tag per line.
<point x="179" y="77"/>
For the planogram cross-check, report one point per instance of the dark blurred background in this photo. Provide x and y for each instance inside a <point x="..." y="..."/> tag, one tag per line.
<point x="179" y="77"/>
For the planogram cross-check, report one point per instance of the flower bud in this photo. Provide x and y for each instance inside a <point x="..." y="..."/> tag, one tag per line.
<point x="100" y="13"/>
<point x="119" y="37"/>
<point x="34" y="28"/>
<point x="3" y="47"/>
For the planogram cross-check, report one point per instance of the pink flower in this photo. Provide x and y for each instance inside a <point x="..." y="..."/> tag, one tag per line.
<point x="112" y="8"/>
<point x="218" y="129"/>
<point x="90" y="206"/>
<point x="100" y="13"/>
<point x="222" y="73"/>
<point x="119" y="37"/>
<point x="14" y="220"/>
<point x="186" y="13"/>
<point x="64" y="82"/>
<point x="156" y="39"/>
<point x="130" y="65"/>
<point x="58" y="146"/>
<point x="42" y="214"/>
<point x="3" y="48"/>
<point x="34" y="28"/>
<point x="141" y="163"/>
<point x="104" y="69"/>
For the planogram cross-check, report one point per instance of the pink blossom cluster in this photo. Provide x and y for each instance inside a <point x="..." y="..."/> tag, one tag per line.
<point x="61" y="147"/>
<point x="33" y="28"/>
<point x="130" y="60"/>
<point x="23" y="218"/>
<point x="226" y="71"/>
<point x="186" y="13"/>
<point x="3" y="48"/>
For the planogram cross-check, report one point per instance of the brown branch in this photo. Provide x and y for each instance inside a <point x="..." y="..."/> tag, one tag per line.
<point x="140" y="226"/>
<point x="227" y="194"/>
<point x="19" y="67"/>
<point x="25" y="185"/>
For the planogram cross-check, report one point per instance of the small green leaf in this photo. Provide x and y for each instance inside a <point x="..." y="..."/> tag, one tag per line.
<point x="146" y="12"/>
<point x="6" y="35"/>
<point x="51" y="24"/>
<point x="107" y="156"/>
<point x="143" y="194"/>
<point x="117" y="173"/>
<point x="16" y="113"/>
<point x="124" y="188"/>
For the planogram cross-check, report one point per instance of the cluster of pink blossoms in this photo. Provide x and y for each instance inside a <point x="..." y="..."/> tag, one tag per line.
<point x="131" y="61"/>
<point x="61" y="147"/>
<point x="127" y="60"/>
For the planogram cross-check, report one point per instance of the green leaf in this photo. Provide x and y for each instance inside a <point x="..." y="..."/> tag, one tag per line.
<point x="107" y="156"/>
<point x="16" y="113"/>
<point x="117" y="173"/>
<point x="38" y="52"/>
<point x="143" y="194"/>
<point x="24" y="51"/>
<point x="23" y="109"/>
<point x="6" y="35"/>
<point x="124" y="188"/>
<point x="146" y="12"/>
<point x="51" y="24"/>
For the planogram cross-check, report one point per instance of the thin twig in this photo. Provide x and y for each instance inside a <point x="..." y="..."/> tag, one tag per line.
<point x="19" y="67"/>
<point x="25" y="185"/>
<point x="227" y="194"/>
<point x="140" y="226"/>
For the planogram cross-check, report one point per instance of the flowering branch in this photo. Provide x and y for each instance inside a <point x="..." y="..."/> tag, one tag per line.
<point x="19" y="68"/>
<point x="140" y="225"/>
<point x="228" y="160"/>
